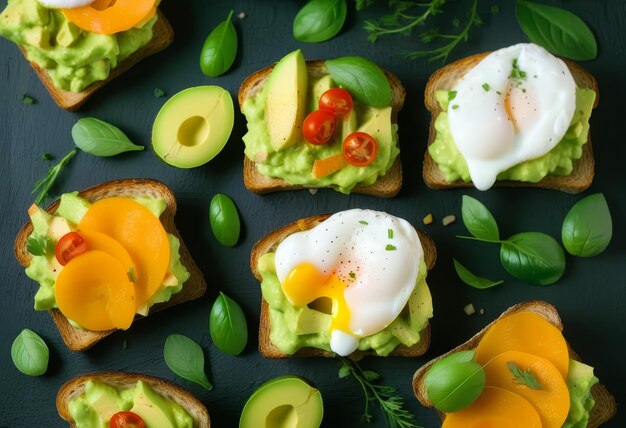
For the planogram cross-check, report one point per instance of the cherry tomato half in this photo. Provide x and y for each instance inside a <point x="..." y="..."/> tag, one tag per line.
<point x="69" y="246"/>
<point x="338" y="101"/>
<point x="360" y="149"/>
<point x="318" y="127"/>
<point x="126" y="420"/>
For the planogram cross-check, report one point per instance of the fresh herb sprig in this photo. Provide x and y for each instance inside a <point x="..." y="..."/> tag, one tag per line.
<point x="43" y="185"/>
<point x="523" y="377"/>
<point x="390" y="403"/>
<point x="408" y="16"/>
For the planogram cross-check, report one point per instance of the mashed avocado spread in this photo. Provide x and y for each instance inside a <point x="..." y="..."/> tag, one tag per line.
<point x="100" y="401"/>
<point x="292" y="328"/>
<point x="73" y="58"/>
<point x="558" y="161"/>
<point x="580" y="379"/>
<point x="294" y="164"/>
<point x="44" y="268"/>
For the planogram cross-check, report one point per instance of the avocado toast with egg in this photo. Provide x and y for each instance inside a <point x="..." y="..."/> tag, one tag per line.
<point x="281" y="159"/>
<point x="73" y="63"/>
<point x="178" y="281"/>
<point x="305" y="329"/>
<point x="568" y="166"/>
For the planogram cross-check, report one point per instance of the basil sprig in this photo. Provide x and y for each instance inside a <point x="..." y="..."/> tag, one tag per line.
<point x="366" y="82"/>
<point x="219" y="49"/>
<point x="558" y="30"/>
<point x="185" y="358"/>
<point x="227" y="324"/>
<point x="587" y="228"/>
<point x="320" y="20"/>
<point x="30" y="354"/>
<point x="99" y="138"/>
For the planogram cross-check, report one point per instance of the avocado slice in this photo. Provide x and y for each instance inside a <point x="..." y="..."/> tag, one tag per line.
<point x="153" y="409"/>
<point x="193" y="126"/>
<point x="281" y="402"/>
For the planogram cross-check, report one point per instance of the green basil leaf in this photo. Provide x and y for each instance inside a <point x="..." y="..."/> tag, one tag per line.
<point x="365" y="80"/>
<point x="99" y="138"/>
<point x="228" y="327"/>
<point x="587" y="228"/>
<point x="40" y="246"/>
<point x="558" y="30"/>
<point x="30" y="353"/>
<point x="454" y="382"/>
<point x="320" y="20"/>
<point x="478" y="220"/>
<point x="533" y="257"/>
<point x="224" y="220"/>
<point x="344" y="371"/>
<point x="471" y="279"/>
<point x="219" y="49"/>
<point x="185" y="358"/>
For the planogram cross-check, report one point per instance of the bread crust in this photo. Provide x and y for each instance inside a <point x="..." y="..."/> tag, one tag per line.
<point x="605" y="407"/>
<point x="163" y="35"/>
<point x="194" y="288"/>
<point x="74" y="387"/>
<point x="270" y="242"/>
<point x="386" y="186"/>
<point x="446" y="77"/>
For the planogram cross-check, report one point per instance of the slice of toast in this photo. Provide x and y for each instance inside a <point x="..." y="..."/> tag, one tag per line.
<point x="386" y="186"/>
<point x="270" y="242"/>
<point x="75" y="387"/>
<point x="445" y="78"/>
<point x="194" y="288"/>
<point x="163" y="35"/>
<point x="605" y="407"/>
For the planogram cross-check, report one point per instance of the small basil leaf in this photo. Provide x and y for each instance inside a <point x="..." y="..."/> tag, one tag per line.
<point x="30" y="353"/>
<point x="219" y="49"/>
<point x="587" y="228"/>
<point x="228" y="327"/>
<point x="99" y="138"/>
<point x="319" y="20"/>
<point x="478" y="220"/>
<point x="224" y="220"/>
<point x="454" y="382"/>
<point x="558" y="30"/>
<point x="471" y="279"/>
<point x="533" y="257"/>
<point x="185" y="358"/>
<point x="366" y="82"/>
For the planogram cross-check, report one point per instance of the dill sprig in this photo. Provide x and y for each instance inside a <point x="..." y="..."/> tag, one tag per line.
<point x="44" y="184"/>
<point x="523" y="377"/>
<point x="408" y="16"/>
<point x="390" y="403"/>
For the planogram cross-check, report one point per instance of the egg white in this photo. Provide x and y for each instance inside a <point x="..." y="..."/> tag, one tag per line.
<point x="542" y="104"/>
<point x="64" y="4"/>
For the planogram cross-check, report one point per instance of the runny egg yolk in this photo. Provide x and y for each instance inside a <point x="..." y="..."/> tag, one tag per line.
<point x="305" y="283"/>
<point x="520" y="107"/>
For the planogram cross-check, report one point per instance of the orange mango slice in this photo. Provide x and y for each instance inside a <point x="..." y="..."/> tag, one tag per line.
<point x="93" y="290"/>
<point x="140" y="233"/>
<point x="329" y="165"/>
<point x="110" y="16"/>
<point x="495" y="408"/>
<point x="101" y="242"/>
<point x="551" y="401"/>
<point x="525" y="332"/>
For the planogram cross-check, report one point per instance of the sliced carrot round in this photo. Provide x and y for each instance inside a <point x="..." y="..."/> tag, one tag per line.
<point x="110" y="16"/>
<point x="525" y="332"/>
<point x="495" y="408"/>
<point x="140" y="232"/>
<point x="93" y="290"/>
<point x="552" y="399"/>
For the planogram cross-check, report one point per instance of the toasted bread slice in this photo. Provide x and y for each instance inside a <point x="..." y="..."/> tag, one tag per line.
<point x="270" y="242"/>
<point x="194" y="288"/>
<point x="386" y="186"/>
<point x="75" y="387"/>
<point x="162" y="38"/>
<point x="446" y="77"/>
<point x="605" y="407"/>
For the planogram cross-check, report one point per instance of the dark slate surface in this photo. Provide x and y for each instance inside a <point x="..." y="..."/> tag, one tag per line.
<point x="590" y="297"/>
